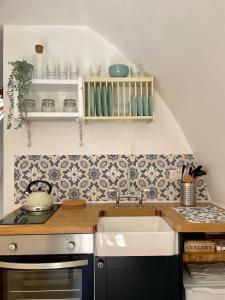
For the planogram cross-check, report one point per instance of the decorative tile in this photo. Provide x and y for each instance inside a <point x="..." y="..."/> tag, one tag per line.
<point x="92" y="176"/>
<point x="202" y="214"/>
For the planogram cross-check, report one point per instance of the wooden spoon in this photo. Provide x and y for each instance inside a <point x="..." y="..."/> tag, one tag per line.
<point x="187" y="179"/>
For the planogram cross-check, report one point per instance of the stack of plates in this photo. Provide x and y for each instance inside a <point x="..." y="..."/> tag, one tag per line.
<point x="141" y="106"/>
<point x="100" y="101"/>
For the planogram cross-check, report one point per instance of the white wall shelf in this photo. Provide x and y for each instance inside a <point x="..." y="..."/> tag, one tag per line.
<point x="55" y="81"/>
<point x="58" y="90"/>
<point x="51" y="116"/>
<point x="55" y="85"/>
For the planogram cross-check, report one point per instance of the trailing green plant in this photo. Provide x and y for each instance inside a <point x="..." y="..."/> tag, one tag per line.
<point x="18" y="86"/>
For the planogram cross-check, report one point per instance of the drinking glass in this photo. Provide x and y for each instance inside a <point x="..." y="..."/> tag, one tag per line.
<point x="95" y="70"/>
<point x="51" y="70"/>
<point x="63" y="70"/>
<point x="74" y="69"/>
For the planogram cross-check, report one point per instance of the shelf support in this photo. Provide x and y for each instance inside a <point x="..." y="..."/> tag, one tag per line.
<point x="28" y="130"/>
<point x="80" y="128"/>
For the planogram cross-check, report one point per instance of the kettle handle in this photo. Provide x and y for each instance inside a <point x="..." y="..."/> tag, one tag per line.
<point x="28" y="190"/>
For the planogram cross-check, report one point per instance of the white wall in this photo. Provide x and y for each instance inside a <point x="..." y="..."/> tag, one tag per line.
<point x="182" y="43"/>
<point x="161" y="136"/>
<point x="1" y="56"/>
<point x="1" y="167"/>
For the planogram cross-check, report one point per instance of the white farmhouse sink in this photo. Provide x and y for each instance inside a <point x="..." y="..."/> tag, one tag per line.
<point x="135" y="236"/>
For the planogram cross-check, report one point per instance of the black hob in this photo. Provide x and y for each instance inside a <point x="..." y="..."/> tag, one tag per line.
<point x="21" y="216"/>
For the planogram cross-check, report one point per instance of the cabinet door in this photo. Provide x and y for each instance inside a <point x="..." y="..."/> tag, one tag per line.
<point x="141" y="278"/>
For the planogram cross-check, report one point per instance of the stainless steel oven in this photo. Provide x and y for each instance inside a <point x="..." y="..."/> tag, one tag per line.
<point x="46" y="267"/>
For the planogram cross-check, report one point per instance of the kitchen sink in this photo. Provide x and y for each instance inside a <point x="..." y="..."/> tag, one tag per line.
<point x="135" y="236"/>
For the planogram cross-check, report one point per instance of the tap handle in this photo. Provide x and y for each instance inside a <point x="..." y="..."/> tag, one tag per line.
<point x="113" y="194"/>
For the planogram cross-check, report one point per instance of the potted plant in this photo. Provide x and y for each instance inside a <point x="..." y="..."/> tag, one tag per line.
<point x="18" y="86"/>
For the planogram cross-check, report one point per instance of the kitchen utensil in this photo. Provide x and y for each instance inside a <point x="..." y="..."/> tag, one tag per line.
<point x="118" y="70"/>
<point x="196" y="170"/>
<point x="40" y="199"/>
<point x="187" y="178"/>
<point x="73" y="203"/>
<point x="199" y="173"/>
<point x="188" y="193"/>
<point x="182" y="172"/>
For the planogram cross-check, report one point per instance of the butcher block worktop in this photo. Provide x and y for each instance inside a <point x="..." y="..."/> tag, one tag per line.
<point x="85" y="219"/>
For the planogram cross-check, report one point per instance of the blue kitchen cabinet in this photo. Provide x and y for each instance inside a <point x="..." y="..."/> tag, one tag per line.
<point x="138" y="278"/>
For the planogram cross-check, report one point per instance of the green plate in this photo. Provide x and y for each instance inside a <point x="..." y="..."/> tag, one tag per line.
<point x="145" y="105"/>
<point x="104" y="102"/>
<point x="92" y="101"/>
<point x="139" y="106"/>
<point x="109" y="100"/>
<point x="98" y="102"/>
<point x="150" y="105"/>
<point x="133" y="105"/>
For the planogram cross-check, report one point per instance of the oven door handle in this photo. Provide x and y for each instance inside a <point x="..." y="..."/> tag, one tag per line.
<point x="44" y="266"/>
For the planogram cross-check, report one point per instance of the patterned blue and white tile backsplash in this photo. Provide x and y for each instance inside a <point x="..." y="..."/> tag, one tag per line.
<point x="91" y="176"/>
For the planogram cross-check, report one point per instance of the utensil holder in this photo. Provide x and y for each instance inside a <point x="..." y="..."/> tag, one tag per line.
<point x="188" y="194"/>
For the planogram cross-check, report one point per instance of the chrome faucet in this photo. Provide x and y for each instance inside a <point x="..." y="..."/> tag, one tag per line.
<point x="129" y="196"/>
<point x="140" y="199"/>
<point x="117" y="200"/>
<point x="114" y="194"/>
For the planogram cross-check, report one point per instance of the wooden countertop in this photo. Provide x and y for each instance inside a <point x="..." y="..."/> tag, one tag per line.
<point x="84" y="220"/>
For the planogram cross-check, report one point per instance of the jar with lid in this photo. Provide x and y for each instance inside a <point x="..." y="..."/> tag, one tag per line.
<point x="70" y="105"/>
<point x="28" y="105"/>
<point x="48" y="105"/>
<point x="38" y="62"/>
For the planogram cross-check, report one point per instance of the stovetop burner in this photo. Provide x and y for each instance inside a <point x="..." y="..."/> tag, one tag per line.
<point x="21" y="216"/>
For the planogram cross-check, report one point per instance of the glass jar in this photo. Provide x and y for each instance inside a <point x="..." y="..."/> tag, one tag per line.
<point x="48" y="105"/>
<point x="70" y="105"/>
<point x="28" y="105"/>
<point x="38" y="62"/>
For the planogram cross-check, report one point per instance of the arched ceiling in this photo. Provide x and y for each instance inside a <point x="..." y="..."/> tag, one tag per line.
<point x="181" y="42"/>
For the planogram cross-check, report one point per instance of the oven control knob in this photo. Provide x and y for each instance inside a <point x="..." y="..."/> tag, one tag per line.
<point x="12" y="247"/>
<point x="70" y="246"/>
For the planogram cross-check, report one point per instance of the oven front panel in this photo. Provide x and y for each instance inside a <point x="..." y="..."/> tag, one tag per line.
<point x="56" y="283"/>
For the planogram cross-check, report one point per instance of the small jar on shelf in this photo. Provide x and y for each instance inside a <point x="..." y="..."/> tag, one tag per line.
<point x="70" y="105"/>
<point x="29" y="105"/>
<point x="48" y="105"/>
